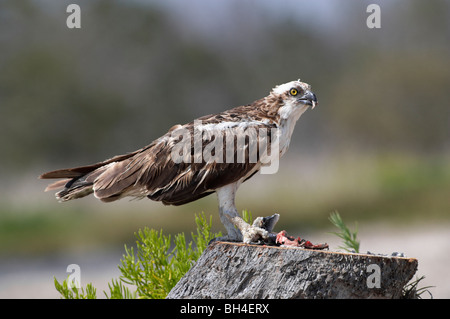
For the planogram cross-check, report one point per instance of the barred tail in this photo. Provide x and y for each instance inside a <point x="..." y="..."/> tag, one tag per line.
<point x="78" y="181"/>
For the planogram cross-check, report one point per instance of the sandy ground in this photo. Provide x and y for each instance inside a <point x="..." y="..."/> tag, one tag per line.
<point x="33" y="278"/>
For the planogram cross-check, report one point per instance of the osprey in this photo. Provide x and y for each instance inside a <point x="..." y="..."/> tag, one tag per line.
<point x="214" y="153"/>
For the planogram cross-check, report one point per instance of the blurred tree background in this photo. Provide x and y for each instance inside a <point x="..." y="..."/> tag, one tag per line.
<point x="376" y="148"/>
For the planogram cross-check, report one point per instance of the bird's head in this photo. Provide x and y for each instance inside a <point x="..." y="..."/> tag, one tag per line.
<point x="295" y="94"/>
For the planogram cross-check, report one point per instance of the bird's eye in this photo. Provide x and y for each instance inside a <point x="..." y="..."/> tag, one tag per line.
<point x="293" y="92"/>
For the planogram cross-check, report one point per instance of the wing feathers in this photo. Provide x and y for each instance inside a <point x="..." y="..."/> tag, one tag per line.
<point x="83" y="170"/>
<point x="152" y="172"/>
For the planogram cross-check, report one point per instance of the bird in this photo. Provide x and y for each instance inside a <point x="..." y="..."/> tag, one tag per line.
<point x="215" y="153"/>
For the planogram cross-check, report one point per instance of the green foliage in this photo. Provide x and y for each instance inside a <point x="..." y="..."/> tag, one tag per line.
<point x="411" y="290"/>
<point x="118" y="291"/>
<point x="75" y="293"/>
<point x="153" y="267"/>
<point x="247" y="216"/>
<point x="156" y="264"/>
<point x="350" y="241"/>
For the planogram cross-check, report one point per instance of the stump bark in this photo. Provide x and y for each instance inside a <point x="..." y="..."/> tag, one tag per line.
<point x="236" y="270"/>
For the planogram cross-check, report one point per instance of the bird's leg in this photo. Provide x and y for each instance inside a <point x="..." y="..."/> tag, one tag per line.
<point x="237" y="228"/>
<point x="228" y="211"/>
<point x="226" y="217"/>
<point x="250" y="233"/>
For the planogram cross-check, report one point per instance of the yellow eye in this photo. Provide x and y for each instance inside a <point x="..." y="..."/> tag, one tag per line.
<point x="293" y="92"/>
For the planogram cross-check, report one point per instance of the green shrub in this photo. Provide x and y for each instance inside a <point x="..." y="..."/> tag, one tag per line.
<point x="349" y="238"/>
<point x="153" y="267"/>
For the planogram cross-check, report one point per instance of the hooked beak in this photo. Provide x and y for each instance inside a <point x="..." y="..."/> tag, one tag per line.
<point x="309" y="98"/>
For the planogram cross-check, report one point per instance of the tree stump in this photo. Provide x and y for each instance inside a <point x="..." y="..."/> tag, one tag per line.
<point x="236" y="270"/>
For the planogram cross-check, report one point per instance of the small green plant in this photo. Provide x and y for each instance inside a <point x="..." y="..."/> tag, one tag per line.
<point x="411" y="290"/>
<point x="247" y="216"/>
<point x="153" y="267"/>
<point x="75" y="293"/>
<point x="156" y="264"/>
<point x="350" y="241"/>
<point x="117" y="290"/>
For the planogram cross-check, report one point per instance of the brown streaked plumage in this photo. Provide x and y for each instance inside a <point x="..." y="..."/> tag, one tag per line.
<point x="152" y="171"/>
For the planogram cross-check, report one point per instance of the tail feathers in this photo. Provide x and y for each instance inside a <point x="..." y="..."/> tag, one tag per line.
<point x="72" y="188"/>
<point x="78" y="181"/>
<point x="74" y="182"/>
<point x="83" y="170"/>
<point x="107" y="188"/>
<point x="74" y="192"/>
<point x="57" y="185"/>
<point x="76" y="187"/>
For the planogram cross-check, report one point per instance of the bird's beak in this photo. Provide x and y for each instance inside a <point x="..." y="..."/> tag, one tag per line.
<point x="309" y="98"/>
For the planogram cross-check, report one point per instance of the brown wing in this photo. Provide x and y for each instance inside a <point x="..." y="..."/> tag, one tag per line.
<point x="152" y="172"/>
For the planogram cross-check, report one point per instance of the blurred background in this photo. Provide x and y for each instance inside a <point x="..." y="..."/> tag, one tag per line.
<point x="376" y="149"/>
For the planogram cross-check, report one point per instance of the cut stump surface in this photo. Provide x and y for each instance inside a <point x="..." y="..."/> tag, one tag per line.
<point x="236" y="270"/>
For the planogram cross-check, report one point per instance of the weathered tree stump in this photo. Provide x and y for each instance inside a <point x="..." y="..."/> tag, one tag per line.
<point x="235" y="270"/>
